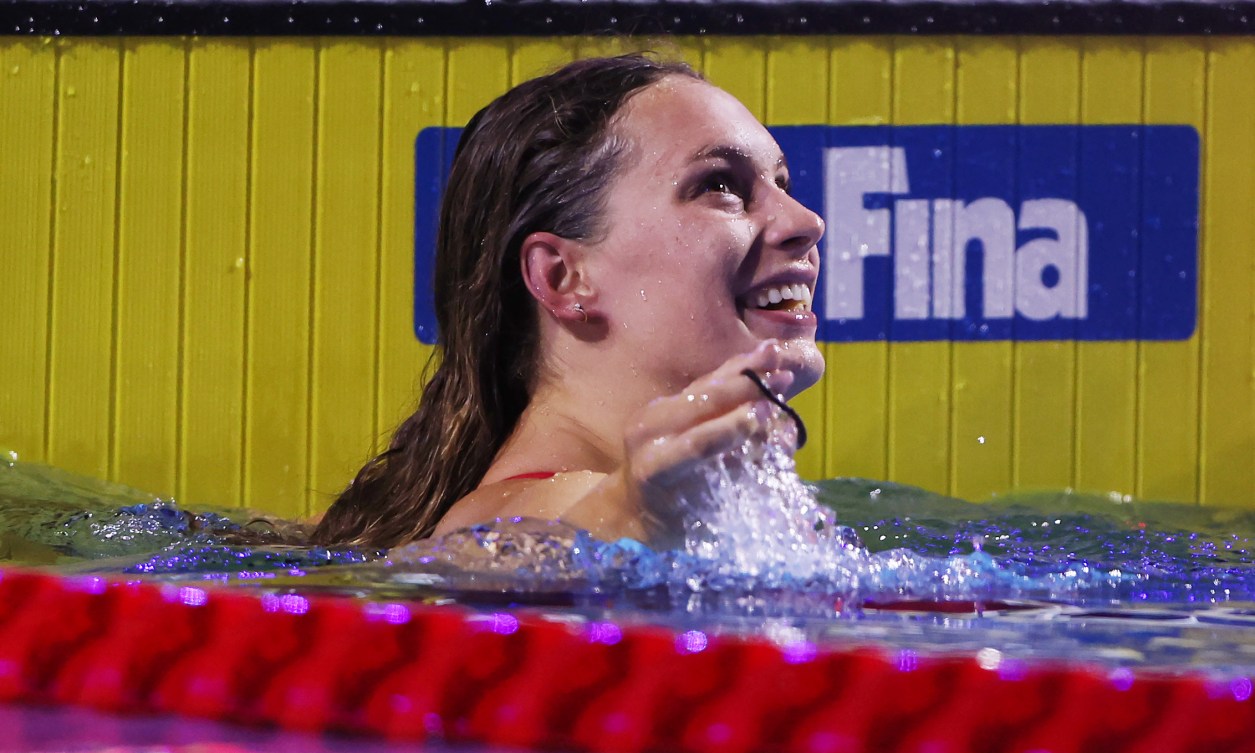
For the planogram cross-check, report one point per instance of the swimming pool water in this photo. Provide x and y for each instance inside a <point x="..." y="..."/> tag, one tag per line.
<point x="1047" y="576"/>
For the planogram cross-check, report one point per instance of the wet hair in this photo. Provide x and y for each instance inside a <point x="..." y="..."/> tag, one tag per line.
<point x="538" y="158"/>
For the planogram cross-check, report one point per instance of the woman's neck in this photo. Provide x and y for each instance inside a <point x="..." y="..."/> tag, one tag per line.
<point x="571" y="424"/>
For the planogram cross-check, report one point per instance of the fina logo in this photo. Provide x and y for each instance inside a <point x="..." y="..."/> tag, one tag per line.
<point x="1055" y="232"/>
<point x="1043" y="279"/>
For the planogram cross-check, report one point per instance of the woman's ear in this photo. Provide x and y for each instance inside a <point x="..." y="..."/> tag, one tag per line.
<point x="552" y="267"/>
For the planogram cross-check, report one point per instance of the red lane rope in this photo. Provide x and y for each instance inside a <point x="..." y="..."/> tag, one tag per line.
<point x="413" y="672"/>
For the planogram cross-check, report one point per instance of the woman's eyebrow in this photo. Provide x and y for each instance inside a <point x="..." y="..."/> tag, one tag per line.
<point x="731" y="154"/>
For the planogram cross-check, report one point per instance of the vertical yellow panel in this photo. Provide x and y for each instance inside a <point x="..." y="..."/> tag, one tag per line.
<point x="532" y="57"/>
<point x="859" y="93"/>
<point x="919" y="373"/>
<point x="346" y="263"/>
<point x="479" y="71"/>
<point x="605" y="46"/>
<point x="28" y="86"/>
<point x="1045" y="372"/>
<point x="980" y="438"/>
<point x="1167" y="441"/>
<point x="1106" y="387"/>
<point x="414" y="99"/>
<point x="797" y="78"/>
<point x="150" y="219"/>
<point x="739" y="66"/>
<point x="1228" y="445"/>
<point x="83" y="256"/>
<point x="215" y="238"/>
<point x="691" y="50"/>
<point x="280" y="273"/>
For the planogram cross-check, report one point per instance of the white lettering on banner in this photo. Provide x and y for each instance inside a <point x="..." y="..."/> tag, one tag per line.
<point x="927" y="242"/>
<point x="854" y="232"/>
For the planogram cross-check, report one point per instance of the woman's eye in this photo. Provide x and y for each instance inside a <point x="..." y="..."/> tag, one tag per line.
<point x="721" y="183"/>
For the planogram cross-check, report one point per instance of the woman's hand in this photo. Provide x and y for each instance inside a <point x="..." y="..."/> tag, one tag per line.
<point x="664" y="442"/>
<point x="671" y="435"/>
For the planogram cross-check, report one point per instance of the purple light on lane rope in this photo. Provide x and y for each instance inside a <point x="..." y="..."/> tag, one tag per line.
<point x="193" y="597"/>
<point x="606" y="633"/>
<point x="504" y="624"/>
<point x="691" y="642"/>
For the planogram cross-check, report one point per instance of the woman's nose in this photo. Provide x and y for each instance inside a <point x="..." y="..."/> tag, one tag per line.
<point x="793" y="227"/>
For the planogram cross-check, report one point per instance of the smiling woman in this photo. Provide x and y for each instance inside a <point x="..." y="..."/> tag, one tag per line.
<point x="617" y="245"/>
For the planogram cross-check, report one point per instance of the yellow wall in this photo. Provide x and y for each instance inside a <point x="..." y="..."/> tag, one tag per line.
<point x="206" y="254"/>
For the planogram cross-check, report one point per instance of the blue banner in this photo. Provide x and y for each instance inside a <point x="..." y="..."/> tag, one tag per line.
<point x="969" y="232"/>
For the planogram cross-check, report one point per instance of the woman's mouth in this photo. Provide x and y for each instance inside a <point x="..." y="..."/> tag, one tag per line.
<point x="794" y="298"/>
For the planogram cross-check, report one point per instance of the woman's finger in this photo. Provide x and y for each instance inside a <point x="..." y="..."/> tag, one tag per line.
<point x="667" y="459"/>
<point x="712" y="395"/>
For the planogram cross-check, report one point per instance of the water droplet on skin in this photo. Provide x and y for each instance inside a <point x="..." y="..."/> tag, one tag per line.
<point x="643" y="297"/>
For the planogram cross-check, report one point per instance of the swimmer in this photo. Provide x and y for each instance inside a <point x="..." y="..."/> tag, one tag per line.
<point x="617" y="245"/>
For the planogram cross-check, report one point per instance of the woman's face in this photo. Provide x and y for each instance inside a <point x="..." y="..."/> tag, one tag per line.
<point x="706" y="254"/>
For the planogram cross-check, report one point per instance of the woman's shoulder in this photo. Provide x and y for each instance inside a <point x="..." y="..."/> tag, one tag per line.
<point x="538" y="494"/>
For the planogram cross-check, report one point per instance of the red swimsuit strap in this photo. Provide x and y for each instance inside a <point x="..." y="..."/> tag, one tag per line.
<point x="534" y="474"/>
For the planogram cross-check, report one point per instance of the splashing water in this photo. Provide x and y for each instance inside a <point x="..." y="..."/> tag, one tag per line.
<point x="756" y="535"/>
<point x="752" y="519"/>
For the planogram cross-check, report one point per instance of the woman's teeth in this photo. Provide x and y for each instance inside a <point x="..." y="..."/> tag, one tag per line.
<point x="784" y="297"/>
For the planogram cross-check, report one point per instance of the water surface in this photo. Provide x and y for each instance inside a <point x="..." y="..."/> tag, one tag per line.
<point x="1055" y="575"/>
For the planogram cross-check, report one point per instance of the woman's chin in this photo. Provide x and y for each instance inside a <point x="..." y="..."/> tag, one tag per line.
<point x="804" y="358"/>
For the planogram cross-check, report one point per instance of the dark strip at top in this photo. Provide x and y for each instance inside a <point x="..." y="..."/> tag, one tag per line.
<point x="454" y="18"/>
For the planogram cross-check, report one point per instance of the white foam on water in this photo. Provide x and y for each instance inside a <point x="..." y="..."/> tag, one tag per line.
<point x="753" y="529"/>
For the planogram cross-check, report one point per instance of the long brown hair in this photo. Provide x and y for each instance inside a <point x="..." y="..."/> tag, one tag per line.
<point x="538" y="158"/>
